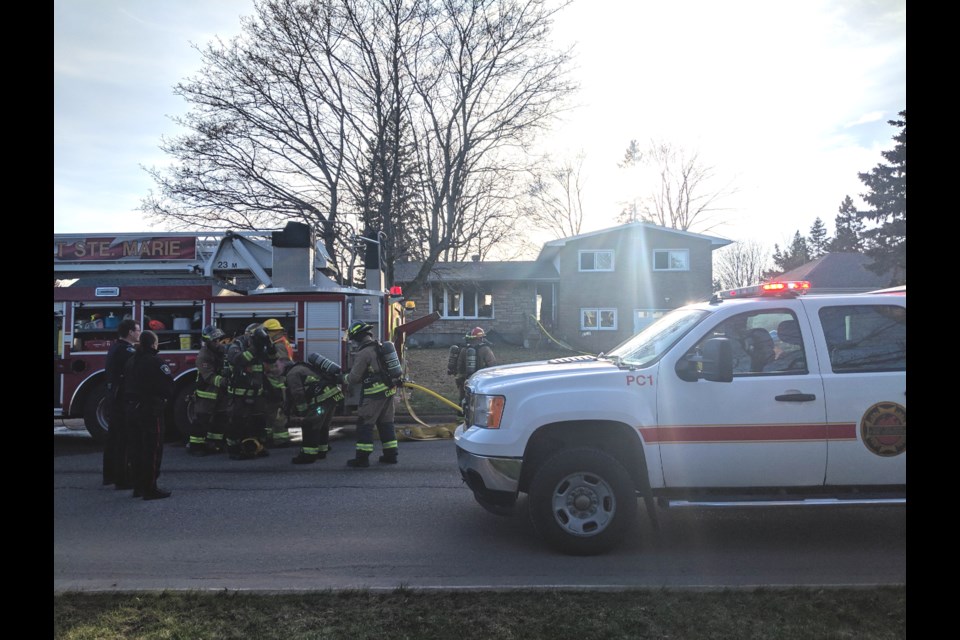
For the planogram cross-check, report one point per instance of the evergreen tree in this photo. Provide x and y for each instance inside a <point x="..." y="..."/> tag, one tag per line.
<point x="818" y="241"/>
<point x="849" y="229"/>
<point x="796" y="255"/>
<point x="886" y="242"/>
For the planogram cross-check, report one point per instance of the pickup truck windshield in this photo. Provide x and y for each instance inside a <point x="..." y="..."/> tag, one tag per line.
<point x="647" y="346"/>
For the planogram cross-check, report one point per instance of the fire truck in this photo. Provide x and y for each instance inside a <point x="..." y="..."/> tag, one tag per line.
<point x="176" y="283"/>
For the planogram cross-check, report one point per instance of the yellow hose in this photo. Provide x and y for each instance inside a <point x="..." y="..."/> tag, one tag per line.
<point x="435" y="395"/>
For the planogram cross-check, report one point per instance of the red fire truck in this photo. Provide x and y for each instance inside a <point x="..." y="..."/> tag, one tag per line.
<point x="177" y="283"/>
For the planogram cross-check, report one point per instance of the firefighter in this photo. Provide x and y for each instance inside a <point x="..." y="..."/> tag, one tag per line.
<point x="313" y="393"/>
<point x="148" y="387"/>
<point x="378" y="395"/>
<point x="210" y="399"/>
<point x="247" y="356"/>
<point x="276" y="433"/>
<point x="116" y="451"/>
<point x="476" y="355"/>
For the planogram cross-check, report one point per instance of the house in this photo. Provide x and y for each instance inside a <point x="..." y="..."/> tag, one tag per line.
<point x="592" y="291"/>
<point x="840" y="272"/>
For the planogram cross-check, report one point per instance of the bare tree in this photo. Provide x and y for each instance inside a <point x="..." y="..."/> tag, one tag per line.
<point x="740" y="264"/>
<point x="396" y="119"/>
<point x="684" y="197"/>
<point x="555" y="195"/>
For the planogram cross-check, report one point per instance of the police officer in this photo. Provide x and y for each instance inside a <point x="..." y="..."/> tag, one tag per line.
<point x="148" y="386"/>
<point x="276" y="431"/>
<point x="210" y="398"/>
<point x="478" y="354"/>
<point x="313" y="392"/>
<point x="116" y="450"/>
<point x="377" y="402"/>
<point x="247" y="356"/>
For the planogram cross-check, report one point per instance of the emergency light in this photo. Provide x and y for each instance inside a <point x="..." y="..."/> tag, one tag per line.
<point x="775" y="288"/>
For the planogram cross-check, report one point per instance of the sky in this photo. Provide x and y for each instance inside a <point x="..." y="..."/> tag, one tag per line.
<point x="785" y="102"/>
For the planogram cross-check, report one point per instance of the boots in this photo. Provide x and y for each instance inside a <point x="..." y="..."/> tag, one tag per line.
<point x="389" y="456"/>
<point x="361" y="461"/>
<point x="306" y="458"/>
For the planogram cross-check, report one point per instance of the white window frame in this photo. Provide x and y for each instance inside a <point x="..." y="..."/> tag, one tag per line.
<point x="669" y="252"/>
<point x="450" y="291"/>
<point x="599" y="311"/>
<point x="597" y="253"/>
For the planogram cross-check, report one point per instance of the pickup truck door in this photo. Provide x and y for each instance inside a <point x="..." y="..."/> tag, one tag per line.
<point x="864" y="365"/>
<point x="760" y="430"/>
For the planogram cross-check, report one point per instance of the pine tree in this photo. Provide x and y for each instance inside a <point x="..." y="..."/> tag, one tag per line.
<point x="849" y="229"/>
<point x="886" y="242"/>
<point x="817" y="241"/>
<point x="796" y="255"/>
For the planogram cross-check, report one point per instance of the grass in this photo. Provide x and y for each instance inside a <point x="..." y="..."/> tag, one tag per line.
<point x="428" y="368"/>
<point x="787" y="614"/>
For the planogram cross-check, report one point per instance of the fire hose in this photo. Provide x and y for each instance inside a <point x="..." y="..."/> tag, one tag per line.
<point x="428" y="432"/>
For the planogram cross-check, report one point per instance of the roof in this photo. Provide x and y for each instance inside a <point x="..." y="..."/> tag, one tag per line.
<point x="551" y="248"/>
<point x="842" y="271"/>
<point x="512" y="270"/>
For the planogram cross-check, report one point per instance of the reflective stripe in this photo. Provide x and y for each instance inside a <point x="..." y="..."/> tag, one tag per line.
<point x="197" y="440"/>
<point x="310" y="451"/>
<point x="365" y="447"/>
<point x="377" y="387"/>
<point x="392" y="444"/>
<point x="209" y="395"/>
<point x="214" y="436"/>
<point x="330" y="392"/>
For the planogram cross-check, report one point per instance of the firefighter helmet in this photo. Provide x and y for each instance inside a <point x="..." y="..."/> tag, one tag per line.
<point x="251" y="328"/>
<point x="359" y="328"/>
<point x="156" y="325"/>
<point x="476" y="334"/>
<point x="211" y="333"/>
<point x="273" y="325"/>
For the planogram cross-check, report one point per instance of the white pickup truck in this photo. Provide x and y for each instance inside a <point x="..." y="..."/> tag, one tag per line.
<point x="760" y="396"/>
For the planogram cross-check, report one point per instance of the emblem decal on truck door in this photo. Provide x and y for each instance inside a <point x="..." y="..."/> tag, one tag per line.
<point x="883" y="429"/>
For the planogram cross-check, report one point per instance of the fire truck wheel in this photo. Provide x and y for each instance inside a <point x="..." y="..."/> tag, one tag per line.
<point x="183" y="415"/>
<point x="94" y="414"/>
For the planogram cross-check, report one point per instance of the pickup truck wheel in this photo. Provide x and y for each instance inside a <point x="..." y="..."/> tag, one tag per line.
<point x="582" y="501"/>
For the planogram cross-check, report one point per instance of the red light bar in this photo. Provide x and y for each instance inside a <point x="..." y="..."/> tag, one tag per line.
<point x="790" y="285"/>
<point x="396" y="291"/>
<point x="769" y="289"/>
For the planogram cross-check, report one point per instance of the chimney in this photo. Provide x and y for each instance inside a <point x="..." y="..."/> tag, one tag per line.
<point x="293" y="257"/>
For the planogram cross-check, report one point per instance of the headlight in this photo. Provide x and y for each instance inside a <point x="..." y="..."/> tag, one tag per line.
<point x="486" y="411"/>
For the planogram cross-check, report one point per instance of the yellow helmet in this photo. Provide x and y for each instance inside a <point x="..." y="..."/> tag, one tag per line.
<point x="273" y="325"/>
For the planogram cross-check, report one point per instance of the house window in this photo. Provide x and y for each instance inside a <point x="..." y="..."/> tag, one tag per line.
<point x="596" y="260"/>
<point x="598" y="319"/>
<point x="671" y="260"/>
<point x="643" y="318"/>
<point x="464" y="302"/>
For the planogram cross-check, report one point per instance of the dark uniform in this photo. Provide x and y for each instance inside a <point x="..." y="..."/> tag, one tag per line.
<point x="247" y="356"/>
<point x="148" y="386"/>
<point x="313" y="396"/>
<point x="377" y="404"/>
<point x="210" y="397"/>
<point x="116" y="450"/>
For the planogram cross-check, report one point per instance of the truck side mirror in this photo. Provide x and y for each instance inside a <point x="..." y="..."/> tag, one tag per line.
<point x="717" y="360"/>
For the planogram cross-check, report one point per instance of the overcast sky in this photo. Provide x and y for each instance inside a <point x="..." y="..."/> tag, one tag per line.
<point x="786" y="101"/>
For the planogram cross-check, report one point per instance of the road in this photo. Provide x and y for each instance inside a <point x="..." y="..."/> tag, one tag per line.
<point x="268" y="525"/>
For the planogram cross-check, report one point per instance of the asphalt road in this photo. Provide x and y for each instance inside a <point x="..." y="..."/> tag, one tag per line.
<point x="268" y="525"/>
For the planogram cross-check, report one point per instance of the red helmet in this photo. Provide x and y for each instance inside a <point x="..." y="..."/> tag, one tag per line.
<point x="156" y="325"/>
<point x="476" y="334"/>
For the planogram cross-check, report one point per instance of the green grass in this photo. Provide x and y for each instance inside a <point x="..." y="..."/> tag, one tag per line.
<point x="787" y="614"/>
